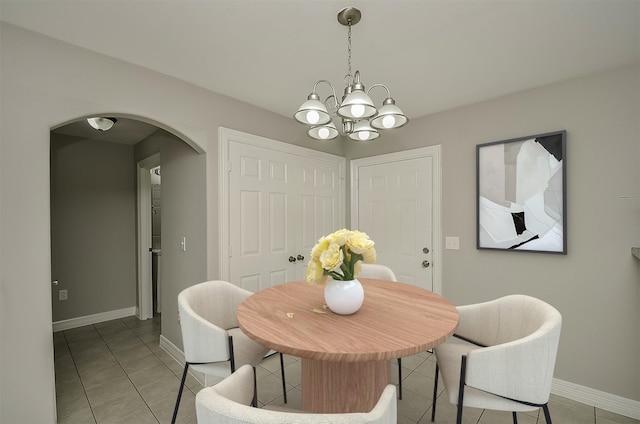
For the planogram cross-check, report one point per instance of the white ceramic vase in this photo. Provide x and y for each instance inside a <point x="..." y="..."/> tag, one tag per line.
<point x="343" y="297"/>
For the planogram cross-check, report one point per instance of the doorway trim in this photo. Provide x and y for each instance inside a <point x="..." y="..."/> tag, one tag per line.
<point x="433" y="152"/>
<point x="145" y="289"/>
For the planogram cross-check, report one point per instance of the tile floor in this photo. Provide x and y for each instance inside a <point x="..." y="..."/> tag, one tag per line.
<point x="115" y="372"/>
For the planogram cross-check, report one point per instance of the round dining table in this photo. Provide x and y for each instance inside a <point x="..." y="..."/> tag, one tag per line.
<point x="346" y="358"/>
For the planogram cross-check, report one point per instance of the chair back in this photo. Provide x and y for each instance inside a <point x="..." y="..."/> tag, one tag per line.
<point x="509" y="318"/>
<point x="228" y="403"/>
<point x="206" y="311"/>
<point x="380" y="272"/>
<point x="522" y="334"/>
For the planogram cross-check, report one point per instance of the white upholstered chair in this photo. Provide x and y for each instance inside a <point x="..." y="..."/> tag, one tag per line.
<point x="382" y="272"/>
<point x="213" y="343"/>
<point x="502" y="356"/>
<point x="228" y="403"/>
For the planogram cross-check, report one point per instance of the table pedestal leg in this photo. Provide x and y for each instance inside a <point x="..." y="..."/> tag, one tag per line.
<point x="334" y="387"/>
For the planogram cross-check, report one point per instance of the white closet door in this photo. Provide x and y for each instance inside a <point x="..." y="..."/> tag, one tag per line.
<point x="260" y="194"/>
<point x="279" y="205"/>
<point x="320" y="205"/>
<point x="395" y="209"/>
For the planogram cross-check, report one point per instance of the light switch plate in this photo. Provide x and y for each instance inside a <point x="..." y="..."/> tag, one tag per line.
<point x="452" y="243"/>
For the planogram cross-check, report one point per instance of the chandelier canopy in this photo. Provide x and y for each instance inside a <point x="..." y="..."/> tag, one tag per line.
<point x="359" y="117"/>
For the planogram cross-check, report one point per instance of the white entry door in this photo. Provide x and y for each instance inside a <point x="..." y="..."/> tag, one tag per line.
<point x="281" y="200"/>
<point x="396" y="201"/>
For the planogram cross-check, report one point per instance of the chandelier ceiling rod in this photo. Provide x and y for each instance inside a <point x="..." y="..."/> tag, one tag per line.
<point x="360" y="119"/>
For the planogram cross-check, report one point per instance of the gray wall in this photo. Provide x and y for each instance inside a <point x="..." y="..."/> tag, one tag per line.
<point x="93" y="237"/>
<point x="75" y="83"/>
<point x="184" y="214"/>
<point x="596" y="286"/>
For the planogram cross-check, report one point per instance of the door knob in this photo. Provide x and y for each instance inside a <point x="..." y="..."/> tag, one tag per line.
<point x="300" y="258"/>
<point x="292" y="259"/>
<point x="425" y="264"/>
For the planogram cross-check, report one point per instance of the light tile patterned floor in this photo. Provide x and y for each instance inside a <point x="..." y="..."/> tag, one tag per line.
<point x="115" y="372"/>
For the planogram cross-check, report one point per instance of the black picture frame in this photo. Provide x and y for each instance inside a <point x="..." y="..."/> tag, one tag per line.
<point x="521" y="200"/>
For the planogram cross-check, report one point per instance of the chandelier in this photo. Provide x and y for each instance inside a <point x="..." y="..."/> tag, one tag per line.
<point x="359" y="117"/>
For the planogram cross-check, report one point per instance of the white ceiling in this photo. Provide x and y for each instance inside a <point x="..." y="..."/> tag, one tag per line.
<point x="433" y="55"/>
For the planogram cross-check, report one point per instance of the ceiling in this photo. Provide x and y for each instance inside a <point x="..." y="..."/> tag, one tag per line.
<point x="433" y="55"/>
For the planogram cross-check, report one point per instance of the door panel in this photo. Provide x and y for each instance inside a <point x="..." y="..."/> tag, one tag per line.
<point x="395" y="210"/>
<point x="279" y="205"/>
<point x="258" y="223"/>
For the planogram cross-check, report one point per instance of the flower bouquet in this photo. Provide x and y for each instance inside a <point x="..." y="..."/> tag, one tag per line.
<point x="339" y="256"/>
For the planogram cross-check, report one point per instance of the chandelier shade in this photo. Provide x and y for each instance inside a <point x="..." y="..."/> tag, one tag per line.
<point x="389" y="116"/>
<point x="362" y="131"/>
<point x="327" y="131"/>
<point x="360" y="118"/>
<point x="313" y="112"/>
<point x="356" y="104"/>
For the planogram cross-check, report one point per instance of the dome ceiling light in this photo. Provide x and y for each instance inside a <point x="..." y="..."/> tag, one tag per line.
<point x="101" y="123"/>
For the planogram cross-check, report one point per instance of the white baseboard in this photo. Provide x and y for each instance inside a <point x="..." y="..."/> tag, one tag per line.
<point x="68" y="324"/>
<point x="603" y="400"/>
<point x="172" y="350"/>
<point x="177" y="354"/>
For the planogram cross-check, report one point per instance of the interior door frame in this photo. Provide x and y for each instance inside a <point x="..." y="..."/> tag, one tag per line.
<point x="143" y="203"/>
<point x="433" y="152"/>
<point x="226" y="136"/>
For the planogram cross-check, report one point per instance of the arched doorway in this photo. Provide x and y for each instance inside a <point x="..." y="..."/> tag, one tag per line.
<point x="96" y="227"/>
<point x="101" y="219"/>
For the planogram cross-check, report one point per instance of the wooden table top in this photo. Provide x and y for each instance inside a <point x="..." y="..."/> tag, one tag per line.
<point x="395" y="320"/>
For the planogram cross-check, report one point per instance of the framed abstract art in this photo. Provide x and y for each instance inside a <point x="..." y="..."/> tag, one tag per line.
<point x="522" y="194"/>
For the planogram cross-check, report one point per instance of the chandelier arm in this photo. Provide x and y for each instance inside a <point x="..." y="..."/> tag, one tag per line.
<point x="333" y="90"/>
<point x="379" y="85"/>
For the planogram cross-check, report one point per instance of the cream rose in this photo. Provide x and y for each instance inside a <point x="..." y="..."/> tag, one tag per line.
<point x="370" y="257"/>
<point x="315" y="273"/>
<point x="359" y="242"/>
<point x="320" y="247"/>
<point x="340" y="237"/>
<point x="332" y="258"/>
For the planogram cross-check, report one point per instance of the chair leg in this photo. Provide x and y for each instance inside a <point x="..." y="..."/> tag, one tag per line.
<point x="435" y="395"/>
<point x="400" y="378"/>
<point x="547" y="416"/>
<point x="232" y="359"/>
<point x="284" y="386"/>
<point x="184" y="378"/>
<point x="515" y="417"/>
<point x="254" y="401"/>
<point x="463" y="367"/>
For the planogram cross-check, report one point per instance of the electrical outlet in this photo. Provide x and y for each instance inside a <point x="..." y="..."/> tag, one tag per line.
<point x="63" y="295"/>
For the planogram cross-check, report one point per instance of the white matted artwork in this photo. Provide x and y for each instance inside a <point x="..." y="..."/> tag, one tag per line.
<point x="521" y="194"/>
